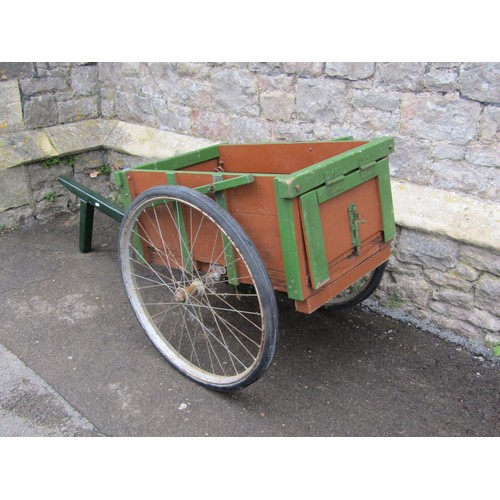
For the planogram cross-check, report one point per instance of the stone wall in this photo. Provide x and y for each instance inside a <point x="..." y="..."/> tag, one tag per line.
<point x="445" y="118"/>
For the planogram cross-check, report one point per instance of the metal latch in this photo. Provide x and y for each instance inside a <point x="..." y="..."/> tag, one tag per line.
<point x="354" y="222"/>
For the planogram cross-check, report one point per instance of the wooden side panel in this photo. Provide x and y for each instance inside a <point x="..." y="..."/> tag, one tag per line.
<point x="279" y="158"/>
<point x="335" y="218"/>
<point x="378" y="255"/>
<point x="253" y="206"/>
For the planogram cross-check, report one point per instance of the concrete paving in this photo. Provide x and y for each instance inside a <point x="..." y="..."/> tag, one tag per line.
<point x="75" y="362"/>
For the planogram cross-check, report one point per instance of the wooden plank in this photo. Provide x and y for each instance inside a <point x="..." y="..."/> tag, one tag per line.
<point x="326" y="293"/>
<point x="298" y="183"/>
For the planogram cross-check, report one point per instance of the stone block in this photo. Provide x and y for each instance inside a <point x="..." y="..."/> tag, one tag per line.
<point x="428" y="250"/>
<point x="24" y="147"/>
<point x="445" y="151"/>
<point x="43" y="177"/>
<point x="440" y="119"/>
<point x="41" y="111"/>
<point x="489" y="126"/>
<point x="158" y="79"/>
<point x="492" y="338"/>
<point x="211" y="125"/>
<point x="16" y="70"/>
<point x="480" y="81"/>
<point x="108" y="108"/>
<point x="148" y="142"/>
<point x="73" y="138"/>
<point x="200" y="71"/>
<point x="245" y="129"/>
<point x="452" y="318"/>
<point x="44" y="69"/>
<point x="16" y="216"/>
<point x="401" y="76"/>
<point x="292" y="132"/>
<point x="463" y="177"/>
<point x="134" y="108"/>
<point x="441" y="80"/>
<point x="382" y="101"/>
<point x="11" y="112"/>
<point x="350" y="71"/>
<point x="465" y="272"/>
<point x="481" y="259"/>
<point x="322" y="100"/>
<point x="458" y="298"/>
<point x="84" y="80"/>
<point x="410" y="159"/>
<point x="33" y="86"/>
<point x="193" y="93"/>
<point x="447" y="279"/>
<point x="79" y="109"/>
<point x="486" y="156"/>
<point x="53" y="202"/>
<point x="14" y="188"/>
<point x="374" y="122"/>
<point x="484" y="320"/>
<point x="488" y="293"/>
<point x="174" y="117"/>
<point x="282" y="83"/>
<point x="277" y="105"/>
<point x="411" y="291"/>
<point x="303" y="68"/>
<point x="235" y="91"/>
<point x="263" y="67"/>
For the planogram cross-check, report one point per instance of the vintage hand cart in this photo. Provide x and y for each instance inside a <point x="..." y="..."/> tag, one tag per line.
<point x="208" y="236"/>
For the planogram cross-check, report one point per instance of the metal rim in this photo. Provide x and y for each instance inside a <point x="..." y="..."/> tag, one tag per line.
<point x="351" y="293"/>
<point x="201" y="323"/>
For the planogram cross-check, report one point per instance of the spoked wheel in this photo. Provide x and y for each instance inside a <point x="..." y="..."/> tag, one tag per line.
<point x="198" y="287"/>
<point x="358" y="291"/>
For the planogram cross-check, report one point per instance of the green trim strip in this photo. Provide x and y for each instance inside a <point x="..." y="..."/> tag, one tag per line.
<point x="289" y="245"/>
<point x="219" y="185"/>
<point x="220" y="198"/>
<point x="314" y="237"/>
<point x="346" y="138"/>
<point x="345" y="183"/>
<point x="298" y="183"/>
<point x="183" y="160"/>
<point x="95" y="199"/>
<point x="187" y="259"/>
<point x="384" y="184"/>
<point x="122" y="183"/>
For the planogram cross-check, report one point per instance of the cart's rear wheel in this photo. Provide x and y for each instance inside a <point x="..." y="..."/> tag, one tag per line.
<point x="358" y="291"/>
<point x="198" y="287"/>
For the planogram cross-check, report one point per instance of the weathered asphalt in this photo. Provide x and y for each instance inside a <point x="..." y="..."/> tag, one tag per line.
<point x="75" y="362"/>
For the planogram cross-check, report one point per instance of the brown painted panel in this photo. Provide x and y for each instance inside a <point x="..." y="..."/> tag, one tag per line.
<point x="335" y="218"/>
<point x="280" y="158"/>
<point x="320" y="297"/>
<point x="139" y="181"/>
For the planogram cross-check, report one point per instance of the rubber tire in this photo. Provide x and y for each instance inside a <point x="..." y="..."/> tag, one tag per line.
<point x="363" y="294"/>
<point x="248" y="251"/>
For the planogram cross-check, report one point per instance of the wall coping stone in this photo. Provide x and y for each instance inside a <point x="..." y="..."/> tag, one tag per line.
<point x="463" y="218"/>
<point x="455" y="215"/>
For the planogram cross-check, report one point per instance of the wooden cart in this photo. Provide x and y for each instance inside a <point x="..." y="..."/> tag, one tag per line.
<point x="208" y="237"/>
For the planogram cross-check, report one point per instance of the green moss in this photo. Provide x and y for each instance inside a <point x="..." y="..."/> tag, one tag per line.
<point x="52" y="196"/>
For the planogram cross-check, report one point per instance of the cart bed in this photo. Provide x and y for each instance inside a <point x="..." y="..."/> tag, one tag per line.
<point x="319" y="213"/>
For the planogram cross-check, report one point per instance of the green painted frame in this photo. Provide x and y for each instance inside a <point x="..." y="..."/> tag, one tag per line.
<point x="314" y="185"/>
<point x="311" y="201"/>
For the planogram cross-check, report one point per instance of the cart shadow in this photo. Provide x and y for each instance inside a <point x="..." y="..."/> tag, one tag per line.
<point x="315" y="350"/>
